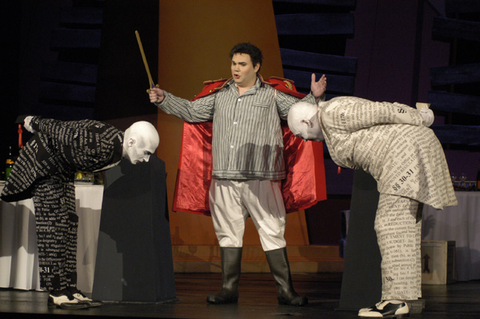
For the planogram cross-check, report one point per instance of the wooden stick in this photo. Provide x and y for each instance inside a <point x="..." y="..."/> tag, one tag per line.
<point x="145" y="63"/>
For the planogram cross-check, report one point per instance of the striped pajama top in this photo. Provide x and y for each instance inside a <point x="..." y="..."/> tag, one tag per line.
<point x="247" y="140"/>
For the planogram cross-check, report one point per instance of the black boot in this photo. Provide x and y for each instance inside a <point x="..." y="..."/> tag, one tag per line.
<point x="278" y="261"/>
<point x="231" y="268"/>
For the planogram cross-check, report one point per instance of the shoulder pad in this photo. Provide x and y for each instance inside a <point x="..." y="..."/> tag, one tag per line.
<point x="208" y="82"/>
<point x="211" y="86"/>
<point x="286" y="82"/>
<point x="284" y="85"/>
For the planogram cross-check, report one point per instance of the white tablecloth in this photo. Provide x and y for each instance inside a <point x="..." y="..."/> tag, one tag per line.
<point x="460" y="223"/>
<point x="18" y="245"/>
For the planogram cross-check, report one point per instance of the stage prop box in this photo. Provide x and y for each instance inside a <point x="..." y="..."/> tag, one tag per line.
<point x="134" y="257"/>
<point x="438" y="262"/>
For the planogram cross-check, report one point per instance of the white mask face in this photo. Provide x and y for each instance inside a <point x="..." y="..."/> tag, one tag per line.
<point x="140" y="142"/>
<point x="137" y="153"/>
<point x="304" y="122"/>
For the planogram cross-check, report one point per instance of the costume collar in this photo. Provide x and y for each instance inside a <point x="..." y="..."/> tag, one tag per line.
<point x="118" y="147"/>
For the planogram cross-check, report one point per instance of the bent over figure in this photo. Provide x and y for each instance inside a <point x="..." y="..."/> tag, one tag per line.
<point x="44" y="171"/>
<point x="392" y="142"/>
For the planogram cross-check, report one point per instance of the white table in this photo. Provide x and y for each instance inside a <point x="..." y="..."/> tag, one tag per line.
<point x="18" y="244"/>
<point x="460" y="223"/>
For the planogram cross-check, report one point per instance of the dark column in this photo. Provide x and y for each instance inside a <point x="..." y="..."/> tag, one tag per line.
<point x="361" y="283"/>
<point x="134" y="257"/>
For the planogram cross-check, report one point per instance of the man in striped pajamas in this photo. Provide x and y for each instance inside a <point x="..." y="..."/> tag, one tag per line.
<point x="248" y="165"/>
<point x="44" y="171"/>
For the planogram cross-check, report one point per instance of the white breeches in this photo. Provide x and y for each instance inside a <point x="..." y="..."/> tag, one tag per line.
<point x="232" y="201"/>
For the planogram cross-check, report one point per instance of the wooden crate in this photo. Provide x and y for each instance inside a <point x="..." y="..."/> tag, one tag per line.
<point x="438" y="262"/>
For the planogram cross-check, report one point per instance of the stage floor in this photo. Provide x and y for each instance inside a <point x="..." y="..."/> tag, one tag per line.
<point x="257" y="300"/>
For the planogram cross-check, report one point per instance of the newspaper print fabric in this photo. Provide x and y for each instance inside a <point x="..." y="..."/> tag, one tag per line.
<point x="398" y="225"/>
<point x="56" y="226"/>
<point x="388" y="141"/>
<point x="45" y="171"/>
<point x="62" y="147"/>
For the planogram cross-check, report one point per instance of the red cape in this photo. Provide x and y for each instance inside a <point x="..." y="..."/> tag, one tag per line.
<point x="303" y="187"/>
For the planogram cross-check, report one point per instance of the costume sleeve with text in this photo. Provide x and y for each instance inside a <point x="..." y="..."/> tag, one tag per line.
<point x="84" y="144"/>
<point x="388" y="141"/>
<point x="356" y="113"/>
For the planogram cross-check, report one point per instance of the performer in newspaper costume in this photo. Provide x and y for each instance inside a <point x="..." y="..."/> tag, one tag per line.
<point x="45" y="172"/>
<point x="393" y="143"/>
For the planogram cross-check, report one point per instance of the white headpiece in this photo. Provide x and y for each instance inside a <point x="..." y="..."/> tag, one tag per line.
<point x="140" y="141"/>
<point x="303" y="121"/>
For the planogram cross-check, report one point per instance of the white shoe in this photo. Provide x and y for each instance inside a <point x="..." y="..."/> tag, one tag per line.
<point x="386" y="309"/>
<point x="65" y="301"/>
<point x="81" y="298"/>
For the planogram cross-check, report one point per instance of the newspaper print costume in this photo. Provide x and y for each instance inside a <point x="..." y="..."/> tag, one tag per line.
<point x="406" y="159"/>
<point x="45" y="171"/>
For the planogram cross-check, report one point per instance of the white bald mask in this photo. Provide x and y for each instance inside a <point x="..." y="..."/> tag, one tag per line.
<point x="304" y="122"/>
<point x="140" y="141"/>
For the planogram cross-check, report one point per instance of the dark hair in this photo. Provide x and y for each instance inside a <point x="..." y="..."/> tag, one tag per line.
<point x="250" y="49"/>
